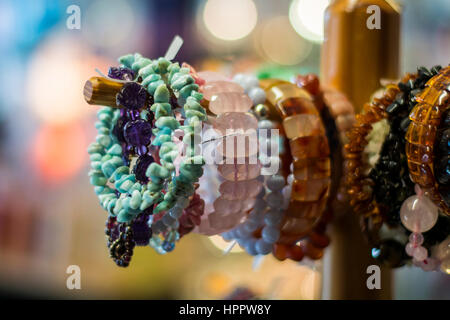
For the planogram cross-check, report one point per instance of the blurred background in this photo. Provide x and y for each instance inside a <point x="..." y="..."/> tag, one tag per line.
<point x="49" y="214"/>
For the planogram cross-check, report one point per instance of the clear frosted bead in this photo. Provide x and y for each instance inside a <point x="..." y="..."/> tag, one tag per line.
<point x="210" y="76"/>
<point x="224" y="206"/>
<point x="257" y="95"/>
<point x="409" y="248"/>
<point x="231" y="122"/>
<point x="230" y="102"/>
<point x="416" y="238"/>
<point x="418" y="214"/>
<point x="211" y="89"/>
<point x="420" y="253"/>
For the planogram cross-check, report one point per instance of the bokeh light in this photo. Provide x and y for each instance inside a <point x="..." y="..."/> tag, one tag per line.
<point x="59" y="152"/>
<point x="307" y="18"/>
<point x="230" y="19"/>
<point x="108" y="24"/>
<point x="281" y="44"/>
<point x="55" y="79"/>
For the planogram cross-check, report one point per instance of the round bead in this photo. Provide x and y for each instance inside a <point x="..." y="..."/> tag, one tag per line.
<point x="142" y="164"/>
<point x="132" y="96"/>
<point x="416" y="238"/>
<point x="239" y="78"/>
<point x="213" y="88"/>
<point x="249" y="82"/>
<point x="230" y="102"/>
<point x="250" y="247"/>
<point x="275" y="182"/>
<point x="263" y="247"/>
<point x="228" y="123"/>
<point x="420" y="253"/>
<point x="257" y="95"/>
<point x="138" y="133"/>
<point x="273" y="218"/>
<point x="270" y="235"/>
<point x="275" y="199"/>
<point x="261" y="110"/>
<point x="418" y="214"/>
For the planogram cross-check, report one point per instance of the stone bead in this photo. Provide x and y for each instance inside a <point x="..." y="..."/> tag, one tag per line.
<point x="420" y="253"/>
<point x="310" y="190"/>
<point x="257" y="95"/>
<point x="230" y="102"/>
<point x="210" y="76"/>
<point x="243" y="145"/>
<point x="263" y="247"/>
<point x="418" y="214"/>
<point x="275" y="200"/>
<point x="239" y="172"/>
<point x="297" y="105"/>
<point x="270" y="234"/>
<point x="211" y="89"/>
<point x="273" y="218"/>
<point x="285" y="91"/>
<point x="249" y="82"/>
<point x="275" y="182"/>
<point x="132" y="96"/>
<point x="238" y="190"/>
<point x="224" y="206"/>
<point x="309" y="82"/>
<point x="230" y="122"/>
<point x="312" y="168"/>
<point x="142" y="164"/>
<point x="138" y="133"/>
<point x="302" y="125"/>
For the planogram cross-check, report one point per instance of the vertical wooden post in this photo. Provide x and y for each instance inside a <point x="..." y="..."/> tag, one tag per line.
<point x="345" y="267"/>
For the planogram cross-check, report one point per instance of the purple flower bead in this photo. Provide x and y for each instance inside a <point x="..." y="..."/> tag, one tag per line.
<point x="121" y="73"/>
<point x="142" y="163"/>
<point x="132" y="96"/>
<point x="138" y="133"/>
<point x="118" y="129"/>
<point x="141" y="231"/>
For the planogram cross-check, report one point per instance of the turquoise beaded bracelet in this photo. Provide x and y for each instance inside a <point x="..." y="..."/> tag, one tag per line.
<point x="166" y="191"/>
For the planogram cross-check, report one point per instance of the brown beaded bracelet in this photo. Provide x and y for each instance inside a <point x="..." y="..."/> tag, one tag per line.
<point x="421" y="135"/>
<point x="359" y="185"/>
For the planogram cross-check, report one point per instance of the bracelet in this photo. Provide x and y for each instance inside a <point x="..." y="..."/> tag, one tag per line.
<point x="425" y="117"/>
<point x="306" y="133"/>
<point x="236" y="193"/>
<point x="163" y="186"/>
<point x="387" y="195"/>
<point x="260" y="230"/>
